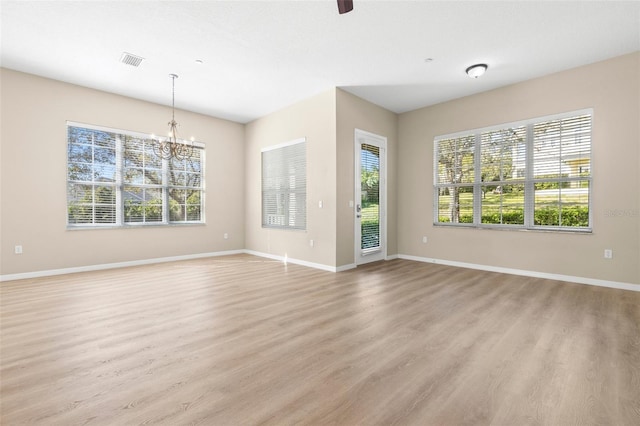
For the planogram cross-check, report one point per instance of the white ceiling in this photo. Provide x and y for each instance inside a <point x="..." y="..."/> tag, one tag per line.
<point x="260" y="56"/>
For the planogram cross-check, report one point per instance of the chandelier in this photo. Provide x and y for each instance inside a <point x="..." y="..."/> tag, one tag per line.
<point x="171" y="147"/>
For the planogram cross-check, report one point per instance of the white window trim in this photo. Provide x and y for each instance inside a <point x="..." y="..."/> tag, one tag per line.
<point x="293" y="142"/>
<point x="528" y="180"/>
<point x="119" y="183"/>
<point x="283" y="145"/>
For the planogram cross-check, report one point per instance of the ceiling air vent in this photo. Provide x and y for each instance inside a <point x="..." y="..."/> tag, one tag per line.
<point x="129" y="59"/>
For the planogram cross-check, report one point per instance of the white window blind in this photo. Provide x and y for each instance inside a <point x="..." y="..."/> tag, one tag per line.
<point x="534" y="174"/>
<point x="185" y="188"/>
<point x="114" y="178"/>
<point x="284" y="186"/>
<point x="502" y="190"/>
<point x="455" y="173"/>
<point x="143" y="182"/>
<point x="562" y="171"/>
<point x="91" y="177"/>
<point x="370" y="193"/>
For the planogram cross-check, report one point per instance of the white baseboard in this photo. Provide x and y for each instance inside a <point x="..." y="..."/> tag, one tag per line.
<point x="346" y="267"/>
<point x="535" y="274"/>
<point x="285" y="259"/>
<point x="52" y="272"/>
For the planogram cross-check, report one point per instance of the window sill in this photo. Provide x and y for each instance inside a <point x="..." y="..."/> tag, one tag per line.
<point x="587" y="231"/>
<point x="137" y="226"/>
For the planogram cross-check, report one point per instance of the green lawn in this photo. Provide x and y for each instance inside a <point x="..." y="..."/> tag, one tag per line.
<point x="508" y="208"/>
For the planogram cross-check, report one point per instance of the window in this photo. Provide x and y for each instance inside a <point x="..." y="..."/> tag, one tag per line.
<point x="534" y="175"/>
<point x="284" y="186"/>
<point x="114" y="178"/>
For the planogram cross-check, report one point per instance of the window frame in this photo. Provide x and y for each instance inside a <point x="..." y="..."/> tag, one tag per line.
<point x="528" y="180"/>
<point x="120" y="182"/>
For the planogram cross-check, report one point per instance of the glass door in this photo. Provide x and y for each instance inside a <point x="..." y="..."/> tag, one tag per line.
<point x="370" y="191"/>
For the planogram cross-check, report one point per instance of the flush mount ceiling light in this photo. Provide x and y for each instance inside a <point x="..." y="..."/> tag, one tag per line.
<point x="171" y="146"/>
<point x="475" y="71"/>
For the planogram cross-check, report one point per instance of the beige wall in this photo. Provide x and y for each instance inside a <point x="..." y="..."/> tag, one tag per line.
<point x="328" y="121"/>
<point x="33" y="170"/>
<point x="356" y="113"/>
<point x="612" y="89"/>
<point x="33" y="200"/>
<point x="315" y="120"/>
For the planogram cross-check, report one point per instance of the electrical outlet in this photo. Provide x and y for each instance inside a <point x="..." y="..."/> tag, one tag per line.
<point x="18" y="250"/>
<point x="424" y="240"/>
<point x="320" y="204"/>
<point x="226" y="236"/>
<point x="310" y="243"/>
<point x="608" y="254"/>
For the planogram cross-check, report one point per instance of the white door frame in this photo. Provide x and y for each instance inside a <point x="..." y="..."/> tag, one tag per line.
<point x="369" y="138"/>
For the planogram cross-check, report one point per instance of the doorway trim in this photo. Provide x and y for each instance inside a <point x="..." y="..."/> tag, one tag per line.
<point x="360" y="137"/>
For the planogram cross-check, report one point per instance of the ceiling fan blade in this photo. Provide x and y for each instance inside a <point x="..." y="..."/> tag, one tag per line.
<point x="345" y="6"/>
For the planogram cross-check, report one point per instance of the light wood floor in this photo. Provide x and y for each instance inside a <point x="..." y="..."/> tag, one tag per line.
<point x="240" y="340"/>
